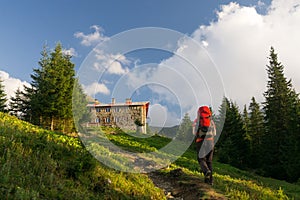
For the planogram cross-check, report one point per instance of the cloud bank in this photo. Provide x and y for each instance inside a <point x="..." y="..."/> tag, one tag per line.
<point x="112" y="63"/>
<point x="96" y="88"/>
<point x="231" y="61"/>
<point x="239" y="43"/>
<point x="11" y="84"/>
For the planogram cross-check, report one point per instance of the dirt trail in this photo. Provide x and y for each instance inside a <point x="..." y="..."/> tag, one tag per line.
<point x="180" y="186"/>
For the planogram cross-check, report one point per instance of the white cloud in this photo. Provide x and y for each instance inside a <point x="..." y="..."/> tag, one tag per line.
<point x="235" y="46"/>
<point x="175" y="82"/>
<point x="238" y="44"/>
<point x="71" y="52"/>
<point x="240" y="40"/>
<point x="92" y="38"/>
<point x="111" y="63"/>
<point x="11" y="84"/>
<point x="160" y="116"/>
<point x="96" y="88"/>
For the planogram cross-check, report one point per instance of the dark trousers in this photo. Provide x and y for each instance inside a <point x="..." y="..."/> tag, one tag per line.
<point x="205" y="150"/>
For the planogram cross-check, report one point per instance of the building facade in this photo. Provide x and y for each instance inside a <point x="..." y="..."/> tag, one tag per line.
<point x="129" y="116"/>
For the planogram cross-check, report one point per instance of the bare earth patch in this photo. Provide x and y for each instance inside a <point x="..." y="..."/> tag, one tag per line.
<point x="179" y="186"/>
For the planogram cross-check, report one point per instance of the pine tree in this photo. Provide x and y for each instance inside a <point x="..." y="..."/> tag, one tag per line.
<point x="240" y="148"/>
<point x="247" y="138"/>
<point x="184" y="132"/>
<point x="81" y="113"/>
<point x="280" y="119"/>
<point x="221" y="125"/>
<point x="28" y="104"/>
<point x="293" y="168"/>
<point x="16" y="104"/>
<point x="2" y="98"/>
<point x="62" y="82"/>
<point x="50" y="94"/>
<point x="255" y="134"/>
<point x="246" y="122"/>
<point x="37" y="103"/>
<point x="291" y="146"/>
<point x="232" y="147"/>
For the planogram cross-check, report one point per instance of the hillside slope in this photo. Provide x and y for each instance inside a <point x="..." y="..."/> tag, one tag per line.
<point x="39" y="164"/>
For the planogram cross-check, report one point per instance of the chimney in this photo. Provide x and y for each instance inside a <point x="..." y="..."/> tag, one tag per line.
<point x="113" y="100"/>
<point x="96" y="102"/>
<point x="128" y="101"/>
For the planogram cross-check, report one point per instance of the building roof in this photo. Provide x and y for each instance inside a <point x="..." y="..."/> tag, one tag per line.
<point x="128" y="103"/>
<point x="99" y="105"/>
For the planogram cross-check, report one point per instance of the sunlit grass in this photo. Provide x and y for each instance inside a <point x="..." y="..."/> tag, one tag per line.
<point x="39" y="164"/>
<point x="234" y="183"/>
<point x="239" y="184"/>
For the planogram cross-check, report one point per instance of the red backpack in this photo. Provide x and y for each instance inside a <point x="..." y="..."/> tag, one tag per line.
<point x="204" y="115"/>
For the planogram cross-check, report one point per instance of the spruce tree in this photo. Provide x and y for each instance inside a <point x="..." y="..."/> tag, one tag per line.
<point x="2" y="98"/>
<point x="291" y="146"/>
<point x="184" y="132"/>
<point x="28" y="104"/>
<point x="222" y="129"/>
<point x="240" y="148"/>
<point x="37" y="94"/>
<point x="81" y="113"/>
<point x="232" y="147"/>
<point x="221" y="120"/>
<point x="50" y="94"/>
<point x="61" y="80"/>
<point x="280" y="118"/>
<point x="255" y="134"/>
<point x="246" y="122"/>
<point x="247" y="138"/>
<point x="16" y="104"/>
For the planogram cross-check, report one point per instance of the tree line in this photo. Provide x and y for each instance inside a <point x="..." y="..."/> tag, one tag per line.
<point x="264" y="137"/>
<point x="54" y="89"/>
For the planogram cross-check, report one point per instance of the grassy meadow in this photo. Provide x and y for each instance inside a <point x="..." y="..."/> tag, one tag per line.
<point x="40" y="164"/>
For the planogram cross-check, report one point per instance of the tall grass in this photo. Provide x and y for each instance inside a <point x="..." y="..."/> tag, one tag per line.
<point x="232" y="182"/>
<point x="239" y="184"/>
<point x="39" y="164"/>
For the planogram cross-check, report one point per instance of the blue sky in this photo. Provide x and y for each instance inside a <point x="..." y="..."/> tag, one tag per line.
<point x="236" y="36"/>
<point x="27" y="25"/>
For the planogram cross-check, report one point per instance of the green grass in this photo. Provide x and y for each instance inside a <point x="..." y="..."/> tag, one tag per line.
<point x="239" y="184"/>
<point x="232" y="182"/>
<point x="39" y="164"/>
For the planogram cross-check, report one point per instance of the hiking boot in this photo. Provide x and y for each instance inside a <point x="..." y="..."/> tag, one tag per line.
<point x="207" y="177"/>
<point x="207" y="174"/>
<point x="211" y="181"/>
<point x="206" y="180"/>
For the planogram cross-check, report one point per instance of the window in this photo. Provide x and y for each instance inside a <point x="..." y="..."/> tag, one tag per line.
<point x="107" y="109"/>
<point x="107" y="120"/>
<point x="116" y="109"/>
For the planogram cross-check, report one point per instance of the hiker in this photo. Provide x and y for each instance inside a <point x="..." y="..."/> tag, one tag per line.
<point x="204" y="131"/>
